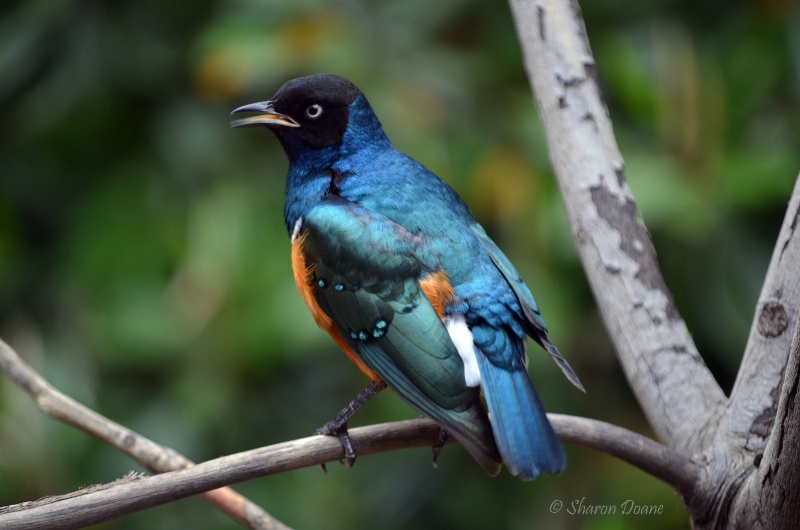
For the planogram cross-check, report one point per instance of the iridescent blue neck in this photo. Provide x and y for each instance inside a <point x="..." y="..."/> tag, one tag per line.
<point x="311" y="170"/>
<point x="364" y="130"/>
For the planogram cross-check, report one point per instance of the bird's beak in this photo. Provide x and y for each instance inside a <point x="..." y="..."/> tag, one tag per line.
<point x="267" y="116"/>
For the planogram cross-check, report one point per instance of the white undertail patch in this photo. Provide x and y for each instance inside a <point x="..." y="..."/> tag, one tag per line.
<point x="461" y="336"/>
<point x="296" y="231"/>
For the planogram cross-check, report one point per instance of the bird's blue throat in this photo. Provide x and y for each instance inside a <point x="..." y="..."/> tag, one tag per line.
<point x="312" y="172"/>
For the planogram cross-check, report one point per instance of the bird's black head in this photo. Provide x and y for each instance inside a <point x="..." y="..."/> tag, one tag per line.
<point x="311" y="111"/>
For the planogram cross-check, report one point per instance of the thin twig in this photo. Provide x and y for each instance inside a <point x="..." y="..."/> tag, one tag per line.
<point x="148" y="454"/>
<point x="136" y="493"/>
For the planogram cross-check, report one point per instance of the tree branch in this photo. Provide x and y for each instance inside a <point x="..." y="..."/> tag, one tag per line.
<point x="147" y="453"/>
<point x="136" y="492"/>
<point x="678" y="394"/>
<point x="648" y="455"/>
<point x="180" y="478"/>
<point x="757" y="485"/>
<point x="781" y="459"/>
<point x="755" y="396"/>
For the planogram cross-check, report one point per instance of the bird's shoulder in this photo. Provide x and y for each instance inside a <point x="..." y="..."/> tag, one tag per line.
<point x="391" y="211"/>
<point x="398" y="186"/>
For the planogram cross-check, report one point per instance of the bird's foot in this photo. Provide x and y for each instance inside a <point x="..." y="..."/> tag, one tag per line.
<point x="332" y="428"/>
<point x="338" y="425"/>
<point x="437" y="447"/>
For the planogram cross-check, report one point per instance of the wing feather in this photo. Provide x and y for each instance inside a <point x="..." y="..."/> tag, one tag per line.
<point x="366" y="278"/>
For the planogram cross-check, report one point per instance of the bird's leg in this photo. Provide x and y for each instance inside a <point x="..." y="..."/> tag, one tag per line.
<point x="338" y="425"/>
<point x="437" y="447"/>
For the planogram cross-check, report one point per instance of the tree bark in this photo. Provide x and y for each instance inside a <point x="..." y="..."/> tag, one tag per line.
<point x="751" y="467"/>
<point x="746" y="445"/>
<point x="669" y="378"/>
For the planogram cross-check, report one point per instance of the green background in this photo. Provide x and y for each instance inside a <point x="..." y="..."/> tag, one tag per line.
<point x="144" y="266"/>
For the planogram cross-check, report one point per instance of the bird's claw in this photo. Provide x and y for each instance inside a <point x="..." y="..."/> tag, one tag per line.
<point x="338" y="425"/>
<point x="437" y="447"/>
<point x="339" y="430"/>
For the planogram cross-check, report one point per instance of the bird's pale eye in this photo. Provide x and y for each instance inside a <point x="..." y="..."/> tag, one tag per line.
<point x="314" y="111"/>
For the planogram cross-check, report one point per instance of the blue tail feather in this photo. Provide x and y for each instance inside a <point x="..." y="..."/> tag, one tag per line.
<point x="524" y="436"/>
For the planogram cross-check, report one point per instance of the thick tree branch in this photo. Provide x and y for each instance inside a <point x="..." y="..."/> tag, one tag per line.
<point x="147" y="453"/>
<point x="755" y="394"/>
<point x="135" y="493"/>
<point x="781" y="502"/>
<point x="750" y="467"/>
<point x="757" y="485"/>
<point x="678" y="394"/>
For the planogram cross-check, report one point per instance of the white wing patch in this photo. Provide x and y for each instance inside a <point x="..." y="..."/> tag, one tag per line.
<point x="461" y="336"/>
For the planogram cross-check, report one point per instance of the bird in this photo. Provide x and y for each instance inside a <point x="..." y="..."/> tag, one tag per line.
<point x="393" y="265"/>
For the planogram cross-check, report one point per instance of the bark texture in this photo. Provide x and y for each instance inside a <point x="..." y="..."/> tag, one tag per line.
<point x="745" y="445"/>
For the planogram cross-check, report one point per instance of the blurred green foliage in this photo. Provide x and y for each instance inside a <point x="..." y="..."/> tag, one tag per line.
<point x="144" y="267"/>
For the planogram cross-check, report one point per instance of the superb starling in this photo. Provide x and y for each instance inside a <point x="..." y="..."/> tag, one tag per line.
<point x="394" y="266"/>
